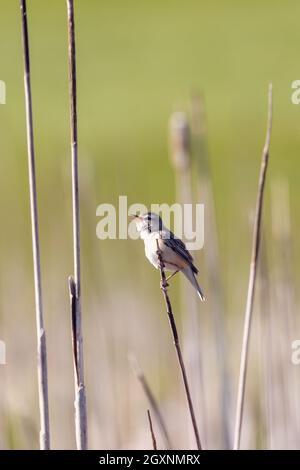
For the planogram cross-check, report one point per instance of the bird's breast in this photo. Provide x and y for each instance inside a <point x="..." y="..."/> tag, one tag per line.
<point x="151" y="249"/>
<point x="172" y="260"/>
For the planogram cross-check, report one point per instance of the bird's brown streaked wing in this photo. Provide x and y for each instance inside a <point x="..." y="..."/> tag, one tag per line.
<point x="179" y="247"/>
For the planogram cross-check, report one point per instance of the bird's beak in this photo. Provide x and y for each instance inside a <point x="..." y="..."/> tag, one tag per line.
<point x="133" y="216"/>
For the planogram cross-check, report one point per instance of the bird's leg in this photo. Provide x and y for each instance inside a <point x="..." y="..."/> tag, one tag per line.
<point x="164" y="283"/>
<point x="171" y="275"/>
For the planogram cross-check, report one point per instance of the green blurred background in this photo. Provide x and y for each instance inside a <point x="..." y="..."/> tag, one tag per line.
<point x="137" y="62"/>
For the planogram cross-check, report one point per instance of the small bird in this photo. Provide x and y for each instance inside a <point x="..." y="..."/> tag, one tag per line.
<point x="174" y="254"/>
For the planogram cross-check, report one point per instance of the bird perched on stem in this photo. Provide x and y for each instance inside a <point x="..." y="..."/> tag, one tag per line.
<point x="174" y="254"/>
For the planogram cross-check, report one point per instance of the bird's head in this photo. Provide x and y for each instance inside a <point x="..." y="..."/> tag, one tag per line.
<point x="149" y="221"/>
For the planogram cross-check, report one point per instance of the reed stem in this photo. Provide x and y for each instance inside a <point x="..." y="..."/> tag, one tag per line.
<point x="154" y="445"/>
<point x="252" y="278"/>
<point x="41" y="334"/>
<point x="177" y="345"/>
<point x="75" y="284"/>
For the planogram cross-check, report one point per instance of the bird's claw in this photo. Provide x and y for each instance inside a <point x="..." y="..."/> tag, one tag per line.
<point x="164" y="284"/>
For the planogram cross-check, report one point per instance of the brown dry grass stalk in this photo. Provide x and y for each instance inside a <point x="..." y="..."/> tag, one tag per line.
<point x="41" y="334"/>
<point x="180" y="153"/>
<point x="212" y="258"/>
<point x="154" y="445"/>
<point x="177" y="345"/>
<point x="74" y="284"/>
<point x="252" y="278"/>
<point x="151" y="399"/>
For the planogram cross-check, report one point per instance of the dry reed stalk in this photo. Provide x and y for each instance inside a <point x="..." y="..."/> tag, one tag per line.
<point x="212" y="258"/>
<point x="80" y="396"/>
<point x="252" y="277"/>
<point x="177" y="345"/>
<point x="41" y="334"/>
<point x="180" y="153"/>
<point x="180" y="156"/>
<point x="75" y="284"/>
<point x="154" y="445"/>
<point x="284" y="286"/>
<point x="151" y="399"/>
<point x="266" y="342"/>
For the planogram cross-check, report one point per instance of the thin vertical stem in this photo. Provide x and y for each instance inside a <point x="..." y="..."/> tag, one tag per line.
<point x="75" y="286"/>
<point x="41" y="335"/>
<point x="177" y="344"/>
<point x="154" y="445"/>
<point x="180" y="153"/>
<point x="74" y="143"/>
<point x="212" y="260"/>
<point x="152" y="400"/>
<point x="252" y="277"/>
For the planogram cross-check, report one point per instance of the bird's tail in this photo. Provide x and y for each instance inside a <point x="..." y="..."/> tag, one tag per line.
<point x="192" y="278"/>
